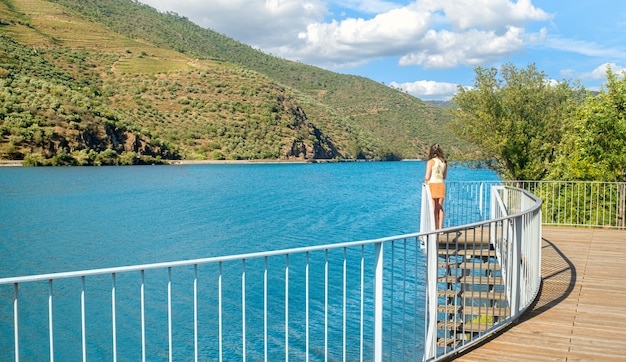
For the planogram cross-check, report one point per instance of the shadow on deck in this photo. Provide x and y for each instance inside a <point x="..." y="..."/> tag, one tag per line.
<point x="580" y="314"/>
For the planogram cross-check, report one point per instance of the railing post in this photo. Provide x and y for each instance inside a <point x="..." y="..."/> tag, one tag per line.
<point x="427" y="226"/>
<point x="169" y="314"/>
<point x="83" y="331"/>
<point x="430" y="349"/>
<point x="143" y="316"/>
<point x="243" y="310"/>
<point x="515" y="265"/>
<point x="16" y="323"/>
<point x="378" y="302"/>
<point x="50" y="323"/>
<point x="480" y="199"/>
<point x="621" y="197"/>
<point x="113" y="318"/>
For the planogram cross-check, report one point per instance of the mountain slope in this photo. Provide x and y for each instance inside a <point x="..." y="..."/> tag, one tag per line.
<point x="150" y="86"/>
<point x="401" y="122"/>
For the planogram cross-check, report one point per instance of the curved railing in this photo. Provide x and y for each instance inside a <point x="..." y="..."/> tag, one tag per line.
<point x="481" y="276"/>
<point x="359" y="300"/>
<point x="580" y="203"/>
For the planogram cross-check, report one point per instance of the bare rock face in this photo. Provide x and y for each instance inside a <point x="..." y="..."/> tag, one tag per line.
<point x="99" y="138"/>
<point x="316" y="146"/>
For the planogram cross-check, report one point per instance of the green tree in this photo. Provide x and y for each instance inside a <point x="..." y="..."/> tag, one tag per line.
<point x="516" y="117"/>
<point x="594" y="148"/>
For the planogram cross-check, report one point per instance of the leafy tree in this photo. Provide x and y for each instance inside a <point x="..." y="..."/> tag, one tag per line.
<point x="516" y="117"/>
<point x="594" y="148"/>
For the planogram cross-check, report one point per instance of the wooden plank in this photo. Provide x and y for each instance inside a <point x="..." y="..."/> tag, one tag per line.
<point x="448" y="308"/>
<point x="449" y="293"/>
<point x="490" y="280"/>
<point x="476" y="252"/>
<point x="486" y="311"/>
<point x="491" y="295"/>
<point x="468" y="265"/>
<point x="580" y="314"/>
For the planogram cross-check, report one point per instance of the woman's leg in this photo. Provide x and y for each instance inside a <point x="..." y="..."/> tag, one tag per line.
<point x="439" y="213"/>
<point x="435" y="213"/>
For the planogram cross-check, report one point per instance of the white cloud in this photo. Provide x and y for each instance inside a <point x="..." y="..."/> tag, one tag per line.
<point x="445" y="49"/>
<point x="357" y="40"/>
<point x="430" y="33"/>
<point x="428" y="89"/>
<point x="600" y="72"/>
<point x="586" y="48"/>
<point x="493" y="15"/>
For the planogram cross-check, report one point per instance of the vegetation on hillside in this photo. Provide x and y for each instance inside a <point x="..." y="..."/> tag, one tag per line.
<point x="49" y="117"/>
<point x="157" y="86"/>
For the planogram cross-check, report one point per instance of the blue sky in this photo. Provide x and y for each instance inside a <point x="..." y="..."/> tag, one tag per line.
<point x="426" y="47"/>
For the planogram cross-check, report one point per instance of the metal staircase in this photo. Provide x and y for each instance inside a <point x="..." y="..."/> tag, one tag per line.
<point x="470" y="287"/>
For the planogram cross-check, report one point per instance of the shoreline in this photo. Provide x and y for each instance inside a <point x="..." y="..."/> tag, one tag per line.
<point x="11" y="163"/>
<point x="19" y="163"/>
<point x="232" y="162"/>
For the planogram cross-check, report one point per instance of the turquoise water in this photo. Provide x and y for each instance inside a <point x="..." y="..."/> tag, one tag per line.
<point x="66" y="219"/>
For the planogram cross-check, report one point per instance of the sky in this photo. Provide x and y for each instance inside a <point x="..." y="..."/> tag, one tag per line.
<point x="426" y="47"/>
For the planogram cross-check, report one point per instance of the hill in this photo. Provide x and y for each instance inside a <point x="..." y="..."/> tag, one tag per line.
<point x="117" y="82"/>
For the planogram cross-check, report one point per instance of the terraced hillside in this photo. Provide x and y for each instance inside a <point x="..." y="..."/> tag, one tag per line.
<point x="117" y="82"/>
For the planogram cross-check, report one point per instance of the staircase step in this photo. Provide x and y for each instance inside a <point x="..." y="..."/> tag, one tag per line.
<point x="489" y="311"/>
<point x="464" y="327"/>
<point x="450" y="325"/>
<point x="476" y="327"/>
<point x="472" y="294"/>
<point x="484" y="295"/>
<point x="468" y="265"/>
<point x="448" y="342"/>
<point x="449" y="293"/>
<point x="475" y="280"/>
<point x="476" y="252"/>
<point x="491" y="280"/>
<point x="449" y="279"/>
<point x="470" y="236"/>
<point x="468" y="252"/>
<point x="449" y="308"/>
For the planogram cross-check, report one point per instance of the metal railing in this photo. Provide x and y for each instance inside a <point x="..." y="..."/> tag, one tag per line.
<point x="481" y="276"/>
<point x="580" y="203"/>
<point x="334" y="302"/>
<point x="362" y="300"/>
<point x="566" y="203"/>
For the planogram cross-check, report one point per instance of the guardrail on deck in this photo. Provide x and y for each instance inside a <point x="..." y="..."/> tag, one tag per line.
<point x="566" y="203"/>
<point x="342" y="301"/>
<point x="580" y="203"/>
<point x="361" y="300"/>
<point x="481" y="276"/>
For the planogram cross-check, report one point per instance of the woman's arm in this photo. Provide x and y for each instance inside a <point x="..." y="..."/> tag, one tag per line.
<point x="429" y="170"/>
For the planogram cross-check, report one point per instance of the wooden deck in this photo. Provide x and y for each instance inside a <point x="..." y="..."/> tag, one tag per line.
<point x="580" y="314"/>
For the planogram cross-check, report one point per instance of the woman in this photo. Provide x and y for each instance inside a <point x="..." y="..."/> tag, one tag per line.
<point x="436" y="171"/>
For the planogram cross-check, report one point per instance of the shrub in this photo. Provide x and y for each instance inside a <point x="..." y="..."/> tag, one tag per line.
<point x="34" y="159"/>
